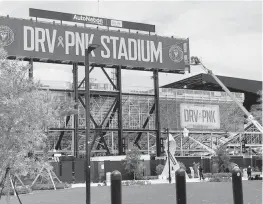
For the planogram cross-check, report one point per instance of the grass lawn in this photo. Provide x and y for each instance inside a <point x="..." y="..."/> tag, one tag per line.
<point x="197" y="193"/>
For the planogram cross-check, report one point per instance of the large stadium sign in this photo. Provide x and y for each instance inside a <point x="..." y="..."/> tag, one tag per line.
<point x="199" y="116"/>
<point x="67" y="43"/>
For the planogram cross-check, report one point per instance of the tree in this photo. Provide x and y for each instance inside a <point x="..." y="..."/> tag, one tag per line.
<point x="26" y="113"/>
<point x="222" y="159"/>
<point x="132" y="162"/>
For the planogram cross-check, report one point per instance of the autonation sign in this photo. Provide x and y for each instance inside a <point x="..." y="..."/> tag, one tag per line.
<point x="68" y="43"/>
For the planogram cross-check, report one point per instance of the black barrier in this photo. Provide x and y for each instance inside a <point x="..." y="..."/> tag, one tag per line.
<point x="237" y="186"/>
<point x="180" y="185"/>
<point x="116" y="193"/>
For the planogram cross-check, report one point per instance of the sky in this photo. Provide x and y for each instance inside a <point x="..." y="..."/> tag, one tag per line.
<point x="226" y="35"/>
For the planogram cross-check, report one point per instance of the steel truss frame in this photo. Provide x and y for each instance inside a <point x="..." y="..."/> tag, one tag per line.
<point x="100" y="129"/>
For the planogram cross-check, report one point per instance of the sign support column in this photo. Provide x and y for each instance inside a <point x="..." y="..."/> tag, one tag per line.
<point x="120" y="128"/>
<point x="157" y="112"/>
<point x="75" y="86"/>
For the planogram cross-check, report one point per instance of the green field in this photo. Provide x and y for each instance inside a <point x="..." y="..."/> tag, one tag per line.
<point x="197" y="193"/>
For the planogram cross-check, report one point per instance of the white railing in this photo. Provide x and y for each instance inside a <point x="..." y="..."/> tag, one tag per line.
<point x="164" y="92"/>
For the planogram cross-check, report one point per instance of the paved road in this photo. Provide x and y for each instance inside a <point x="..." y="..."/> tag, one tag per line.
<point x="197" y="193"/>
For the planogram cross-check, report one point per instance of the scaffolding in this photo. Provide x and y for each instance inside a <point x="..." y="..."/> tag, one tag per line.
<point x="138" y="113"/>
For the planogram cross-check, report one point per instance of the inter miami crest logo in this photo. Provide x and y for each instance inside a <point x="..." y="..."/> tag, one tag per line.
<point x="176" y="54"/>
<point x="6" y="36"/>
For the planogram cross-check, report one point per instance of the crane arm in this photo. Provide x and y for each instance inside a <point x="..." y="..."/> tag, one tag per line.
<point x="249" y="115"/>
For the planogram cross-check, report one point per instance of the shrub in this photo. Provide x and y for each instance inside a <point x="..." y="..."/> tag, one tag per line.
<point x="159" y="169"/>
<point x="218" y="177"/>
<point x="133" y="182"/>
<point x="150" y="177"/>
<point x="215" y="168"/>
<point x="222" y="159"/>
<point x="50" y="186"/>
<point x="19" y="190"/>
<point x="139" y="172"/>
<point x="132" y="163"/>
<point x="256" y="169"/>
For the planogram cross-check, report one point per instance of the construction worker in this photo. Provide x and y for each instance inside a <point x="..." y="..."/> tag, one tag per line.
<point x="201" y="173"/>
<point x="249" y="172"/>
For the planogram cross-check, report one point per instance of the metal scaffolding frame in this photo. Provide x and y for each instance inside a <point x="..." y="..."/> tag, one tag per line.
<point x="111" y="121"/>
<point x="139" y="119"/>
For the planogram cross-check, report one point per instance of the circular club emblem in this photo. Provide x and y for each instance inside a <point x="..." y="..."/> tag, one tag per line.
<point x="176" y="54"/>
<point x="6" y="36"/>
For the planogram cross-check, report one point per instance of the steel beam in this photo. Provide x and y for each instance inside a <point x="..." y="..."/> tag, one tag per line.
<point x="58" y="145"/>
<point x="84" y="106"/>
<point x="108" y="123"/>
<point x="84" y="77"/>
<point x="144" y="126"/>
<point x="104" y="130"/>
<point x="97" y="127"/>
<point x="108" y="113"/>
<point x="101" y="135"/>
<point x="106" y="74"/>
<point x="76" y="118"/>
<point x="82" y="92"/>
<point x="157" y="112"/>
<point x="120" y="131"/>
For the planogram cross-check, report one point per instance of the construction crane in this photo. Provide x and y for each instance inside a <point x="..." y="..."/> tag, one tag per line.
<point x="250" y="117"/>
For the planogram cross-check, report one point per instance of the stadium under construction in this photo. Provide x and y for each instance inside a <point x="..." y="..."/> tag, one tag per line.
<point x="139" y="119"/>
<point x="120" y="119"/>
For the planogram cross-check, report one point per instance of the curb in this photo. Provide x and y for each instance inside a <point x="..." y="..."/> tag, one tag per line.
<point x="126" y="183"/>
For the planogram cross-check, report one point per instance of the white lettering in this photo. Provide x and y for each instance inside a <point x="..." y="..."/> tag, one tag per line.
<point x="69" y="40"/>
<point x="157" y="53"/>
<point x="147" y="51"/>
<point x="40" y="39"/>
<point x="30" y="37"/>
<point x="89" y="40"/>
<point x="114" y="39"/>
<point x="132" y="48"/>
<point x="80" y="43"/>
<point x="103" y="54"/>
<point x="51" y="45"/>
<point x="122" y="50"/>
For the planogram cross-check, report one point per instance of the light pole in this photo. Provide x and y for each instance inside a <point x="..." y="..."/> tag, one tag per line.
<point x="168" y="156"/>
<point x="87" y="102"/>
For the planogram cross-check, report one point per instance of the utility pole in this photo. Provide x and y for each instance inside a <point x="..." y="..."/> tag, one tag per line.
<point x="87" y="110"/>
<point x="168" y="156"/>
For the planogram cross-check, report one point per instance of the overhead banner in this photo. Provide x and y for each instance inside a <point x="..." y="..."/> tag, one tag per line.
<point x="198" y="116"/>
<point x="68" y="43"/>
<point x="38" y="13"/>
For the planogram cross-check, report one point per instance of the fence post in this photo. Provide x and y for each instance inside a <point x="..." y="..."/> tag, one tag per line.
<point x="116" y="193"/>
<point x="237" y="186"/>
<point x="180" y="185"/>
